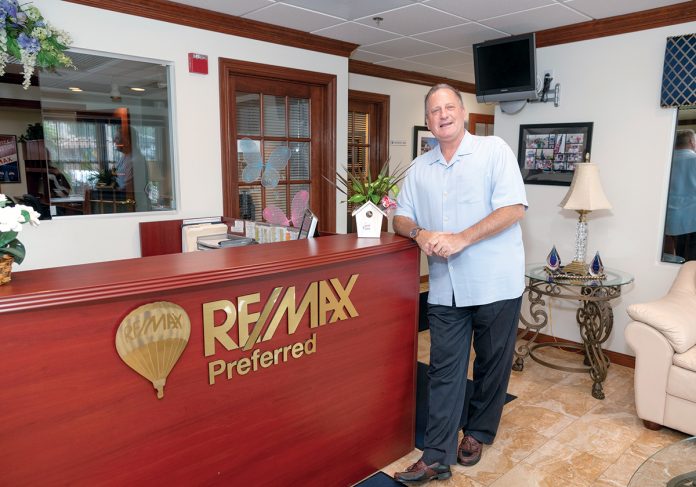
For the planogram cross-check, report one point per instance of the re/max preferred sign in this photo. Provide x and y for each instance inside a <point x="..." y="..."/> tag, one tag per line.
<point x="248" y="320"/>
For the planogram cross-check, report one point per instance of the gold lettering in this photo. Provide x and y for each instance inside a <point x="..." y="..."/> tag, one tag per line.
<point x="294" y="313"/>
<point x="310" y="346"/>
<point x="152" y="324"/>
<point x="344" y="299"/>
<point x="297" y="350"/>
<point x="136" y="329"/>
<point x="244" y="317"/>
<point x="272" y="299"/>
<point x="327" y="302"/>
<point x="267" y="358"/>
<point x="251" y="363"/>
<point x="230" y="369"/>
<point x="255" y="359"/>
<point x="213" y="332"/>
<point x="215" y="368"/>
<point x="243" y="366"/>
<point x="173" y="321"/>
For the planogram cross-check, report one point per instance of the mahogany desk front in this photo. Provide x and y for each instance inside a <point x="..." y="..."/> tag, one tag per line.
<point x="74" y="413"/>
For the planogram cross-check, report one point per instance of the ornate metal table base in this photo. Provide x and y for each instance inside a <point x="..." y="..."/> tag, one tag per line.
<point x="595" y="319"/>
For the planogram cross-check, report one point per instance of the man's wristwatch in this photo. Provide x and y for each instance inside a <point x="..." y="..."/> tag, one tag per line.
<point x="413" y="234"/>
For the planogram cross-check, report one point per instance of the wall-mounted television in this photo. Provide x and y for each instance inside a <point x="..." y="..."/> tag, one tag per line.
<point x="505" y="69"/>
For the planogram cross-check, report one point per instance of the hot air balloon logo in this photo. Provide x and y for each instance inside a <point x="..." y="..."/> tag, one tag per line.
<point x="151" y="338"/>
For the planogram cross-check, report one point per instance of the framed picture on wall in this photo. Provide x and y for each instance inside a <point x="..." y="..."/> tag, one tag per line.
<point x="548" y="153"/>
<point x="423" y="140"/>
<point x="9" y="160"/>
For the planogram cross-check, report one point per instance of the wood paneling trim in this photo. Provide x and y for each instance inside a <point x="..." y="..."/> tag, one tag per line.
<point x="615" y="357"/>
<point x="369" y="69"/>
<point x="199" y="18"/>
<point x="17" y="103"/>
<point x="38" y="289"/>
<point x="18" y="79"/>
<point x="620" y="24"/>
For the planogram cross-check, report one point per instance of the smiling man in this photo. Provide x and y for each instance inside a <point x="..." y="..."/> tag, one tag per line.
<point x="462" y="202"/>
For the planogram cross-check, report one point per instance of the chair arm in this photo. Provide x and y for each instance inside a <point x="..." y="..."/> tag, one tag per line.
<point x="653" y="361"/>
<point x="671" y="315"/>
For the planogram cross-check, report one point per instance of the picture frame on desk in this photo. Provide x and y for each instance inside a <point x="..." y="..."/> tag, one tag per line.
<point x="9" y="160"/>
<point x="308" y="226"/>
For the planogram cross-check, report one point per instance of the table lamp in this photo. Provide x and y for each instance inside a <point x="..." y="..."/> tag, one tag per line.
<point x="585" y="195"/>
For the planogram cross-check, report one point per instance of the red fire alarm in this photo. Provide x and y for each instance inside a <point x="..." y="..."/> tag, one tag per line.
<point x="198" y="63"/>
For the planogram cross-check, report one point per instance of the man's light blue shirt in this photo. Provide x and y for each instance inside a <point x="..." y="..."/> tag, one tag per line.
<point x="482" y="177"/>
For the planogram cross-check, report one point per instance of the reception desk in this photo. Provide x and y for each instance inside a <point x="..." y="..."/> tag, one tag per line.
<point x="299" y="367"/>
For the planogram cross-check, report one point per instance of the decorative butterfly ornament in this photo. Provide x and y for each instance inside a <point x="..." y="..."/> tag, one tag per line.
<point x="255" y="166"/>
<point x="275" y="215"/>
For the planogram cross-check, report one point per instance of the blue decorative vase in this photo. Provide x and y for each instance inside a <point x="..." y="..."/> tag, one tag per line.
<point x="596" y="266"/>
<point x="553" y="260"/>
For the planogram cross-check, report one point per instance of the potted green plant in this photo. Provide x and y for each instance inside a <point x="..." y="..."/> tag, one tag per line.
<point x="11" y="220"/>
<point x="377" y="197"/>
<point x="105" y="178"/>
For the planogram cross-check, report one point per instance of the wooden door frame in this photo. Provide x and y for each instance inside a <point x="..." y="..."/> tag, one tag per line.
<point x="381" y="102"/>
<point x="475" y="118"/>
<point x="326" y="83"/>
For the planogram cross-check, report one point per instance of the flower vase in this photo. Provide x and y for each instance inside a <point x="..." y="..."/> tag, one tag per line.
<point x="368" y="220"/>
<point x="5" y="269"/>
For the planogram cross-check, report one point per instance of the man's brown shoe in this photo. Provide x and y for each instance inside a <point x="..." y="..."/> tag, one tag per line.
<point x="469" y="452"/>
<point x="419" y="473"/>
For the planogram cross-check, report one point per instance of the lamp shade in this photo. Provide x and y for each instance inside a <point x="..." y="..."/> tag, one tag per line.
<point x="585" y="191"/>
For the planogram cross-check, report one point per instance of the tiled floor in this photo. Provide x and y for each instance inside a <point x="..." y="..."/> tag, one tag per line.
<point x="555" y="433"/>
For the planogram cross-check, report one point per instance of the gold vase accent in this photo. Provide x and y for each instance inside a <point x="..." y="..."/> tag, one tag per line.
<point x="5" y="269"/>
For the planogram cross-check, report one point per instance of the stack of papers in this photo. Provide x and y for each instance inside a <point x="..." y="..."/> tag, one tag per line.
<point x="222" y="241"/>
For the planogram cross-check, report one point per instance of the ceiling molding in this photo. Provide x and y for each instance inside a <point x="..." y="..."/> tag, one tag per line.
<point x="199" y="18"/>
<point x="621" y="24"/>
<point x="369" y="69"/>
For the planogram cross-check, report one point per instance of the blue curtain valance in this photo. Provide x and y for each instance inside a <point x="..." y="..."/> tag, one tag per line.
<point x="679" y="74"/>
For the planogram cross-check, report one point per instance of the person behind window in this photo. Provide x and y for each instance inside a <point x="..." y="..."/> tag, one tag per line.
<point x="59" y="185"/>
<point x="131" y="170"/>
<point x="681" y="203"/>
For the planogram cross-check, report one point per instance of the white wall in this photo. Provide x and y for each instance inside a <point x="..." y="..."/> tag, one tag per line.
<point x="197" y="150"/>
<point x="615" y="83"/>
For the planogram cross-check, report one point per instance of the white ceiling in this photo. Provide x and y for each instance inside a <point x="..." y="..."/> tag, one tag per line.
<point x="426" y="36"/>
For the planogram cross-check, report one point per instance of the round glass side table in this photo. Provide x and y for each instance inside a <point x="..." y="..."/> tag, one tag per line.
<point x="673" y="466"/>
<point x="594" y="316"/>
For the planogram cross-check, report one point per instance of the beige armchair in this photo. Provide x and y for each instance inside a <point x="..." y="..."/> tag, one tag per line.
<point x="663" y="337"/>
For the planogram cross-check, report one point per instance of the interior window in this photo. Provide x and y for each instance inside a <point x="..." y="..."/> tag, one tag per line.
<point x="89" y="141"/>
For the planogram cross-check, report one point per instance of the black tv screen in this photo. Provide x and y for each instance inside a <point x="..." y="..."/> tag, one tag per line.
<point x="505" y="69"/>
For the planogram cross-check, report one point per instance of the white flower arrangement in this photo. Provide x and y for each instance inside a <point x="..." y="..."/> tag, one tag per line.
<point x="11" y="220"/>
<point x="28" y="37"/>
